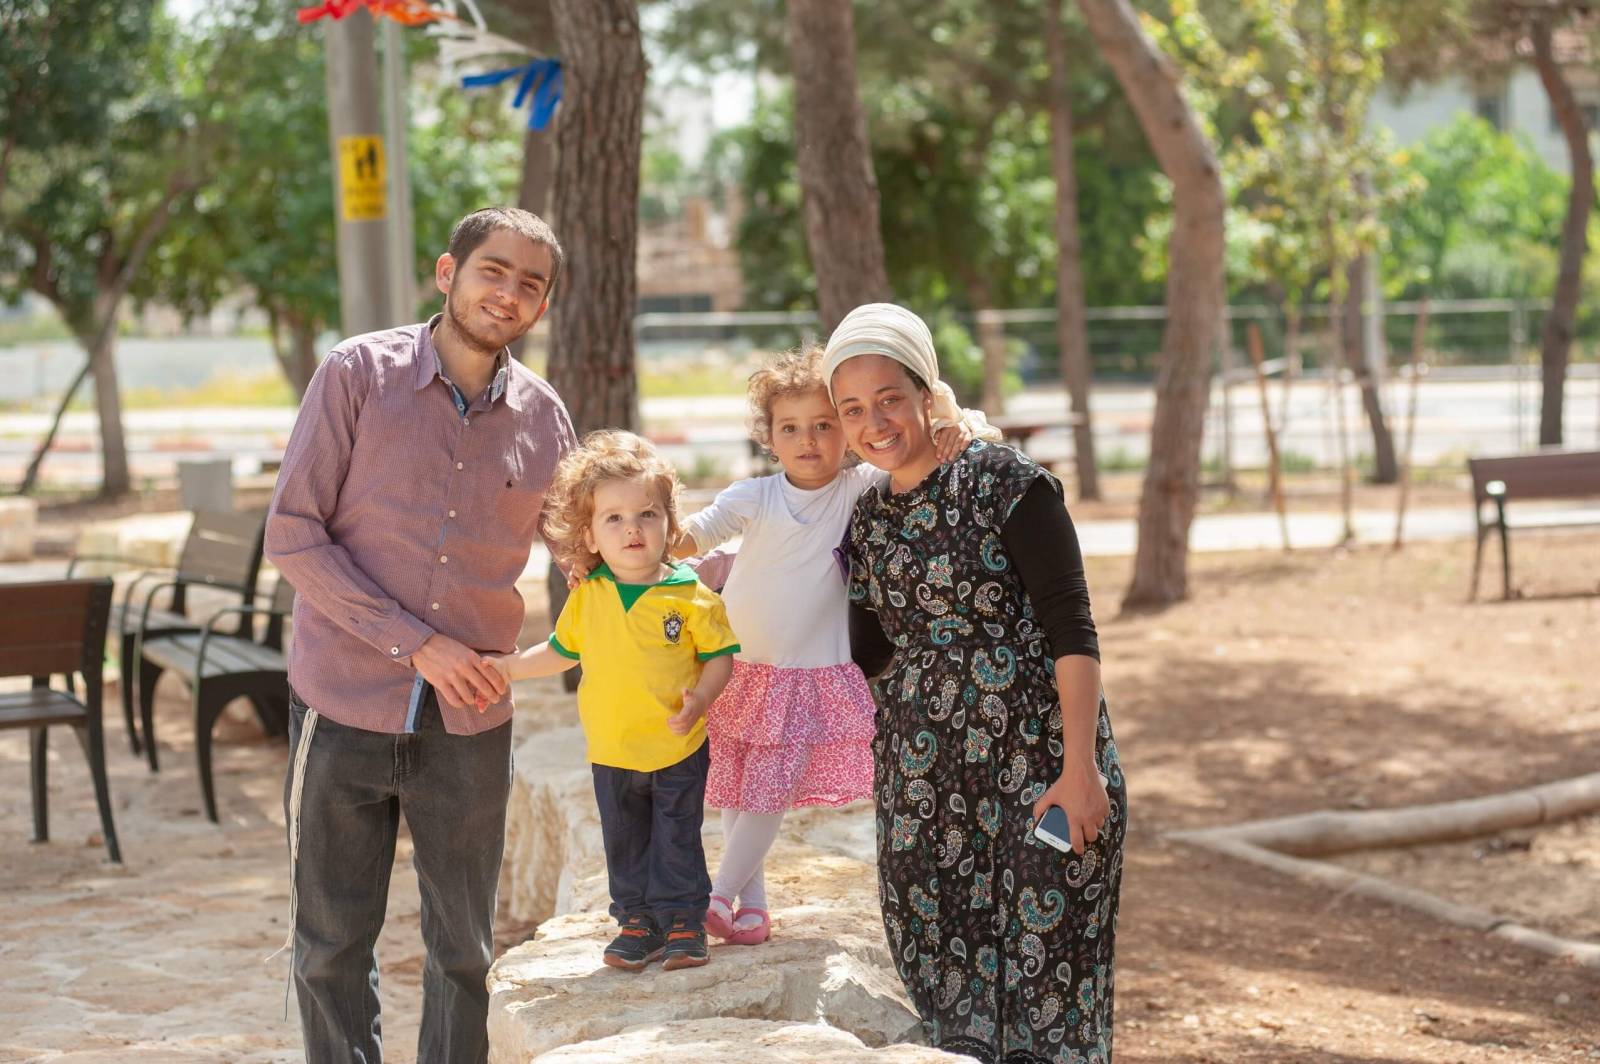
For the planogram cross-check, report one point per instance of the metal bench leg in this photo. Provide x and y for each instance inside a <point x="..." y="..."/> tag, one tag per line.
<point x="149" y="675"/>
<point x="206" y="713"/>
<point x="1505" y="548"/>
<point x="1477" y="563"/>
<point x="38" y="747"/>
<point x="94" y="749"/>
<point x="128" y="670"/>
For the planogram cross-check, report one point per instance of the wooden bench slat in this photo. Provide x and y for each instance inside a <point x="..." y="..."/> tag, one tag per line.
<point x="24" y="709"/>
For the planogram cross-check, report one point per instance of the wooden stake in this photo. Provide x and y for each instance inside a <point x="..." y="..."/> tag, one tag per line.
<point x="1418" y="368"/>
<point x="1274" y="465"/>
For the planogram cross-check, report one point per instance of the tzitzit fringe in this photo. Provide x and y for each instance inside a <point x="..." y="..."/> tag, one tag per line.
<point x="296" y="786"/>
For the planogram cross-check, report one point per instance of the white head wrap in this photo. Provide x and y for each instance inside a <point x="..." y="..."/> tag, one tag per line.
<point x="895" y="332"/>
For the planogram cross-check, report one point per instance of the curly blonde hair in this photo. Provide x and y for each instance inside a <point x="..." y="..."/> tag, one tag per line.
<point x="609" y="454"/>
<point x="791" y="374"/>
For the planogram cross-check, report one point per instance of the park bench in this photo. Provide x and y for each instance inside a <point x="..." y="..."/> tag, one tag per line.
<point x="222" y="552"/>
<point x="1018" y="429"/>
<point x="51" y="628"/>
<point x="219" y="667"/>
<point x="1542" y="475"/>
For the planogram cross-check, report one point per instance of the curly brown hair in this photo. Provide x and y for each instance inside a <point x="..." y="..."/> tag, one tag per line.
<point x="609" y="454"/>
<point x="793" y="373"/>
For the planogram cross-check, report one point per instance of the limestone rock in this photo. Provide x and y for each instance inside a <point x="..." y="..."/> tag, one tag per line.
<point x="19" y="518"/>
<point x="823" y="988"/>
<point x="824" y="962"/>
<point x="155" y="538"/>
<point x="726" y="1041"/>
<point x="552" y="826"/>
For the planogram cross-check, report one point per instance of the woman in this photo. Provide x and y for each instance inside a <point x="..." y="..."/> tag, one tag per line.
<point x="967" y="579"/>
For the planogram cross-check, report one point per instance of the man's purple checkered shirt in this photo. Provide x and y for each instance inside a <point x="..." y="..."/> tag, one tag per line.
<point x="398" y="515"/>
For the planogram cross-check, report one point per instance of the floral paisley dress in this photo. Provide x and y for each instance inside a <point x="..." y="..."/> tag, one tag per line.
<point x="1004" y="944"/>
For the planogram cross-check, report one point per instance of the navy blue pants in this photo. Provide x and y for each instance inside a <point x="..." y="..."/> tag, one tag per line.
<point x="651" y="821"/>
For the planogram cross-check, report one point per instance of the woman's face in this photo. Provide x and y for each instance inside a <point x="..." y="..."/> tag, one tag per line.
<point x="884" y="413"/>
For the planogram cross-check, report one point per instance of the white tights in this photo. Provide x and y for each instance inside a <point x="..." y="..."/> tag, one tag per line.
<point x="746" y="839"/>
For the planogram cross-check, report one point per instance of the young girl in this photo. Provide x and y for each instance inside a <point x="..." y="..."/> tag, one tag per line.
<point x="794" y="726"/>
<point x="656" y="650"/>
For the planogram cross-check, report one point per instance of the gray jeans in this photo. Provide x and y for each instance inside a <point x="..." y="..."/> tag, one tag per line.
<point x="354" y="787"/>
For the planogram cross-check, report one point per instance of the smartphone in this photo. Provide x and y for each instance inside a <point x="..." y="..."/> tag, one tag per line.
<point x="1053" y="829"/>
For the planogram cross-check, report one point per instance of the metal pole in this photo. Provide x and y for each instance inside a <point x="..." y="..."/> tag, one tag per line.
<point x="403" y="282"/>
<point x="360" y="185"/>
<point x="1518" y="337"/>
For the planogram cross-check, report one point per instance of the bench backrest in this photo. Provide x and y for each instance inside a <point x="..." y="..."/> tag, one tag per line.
<point x="282" y="603"/>
<point x="223" y="549"/>
<point x="1542" y="475"/>
<point x="54" y="627"/>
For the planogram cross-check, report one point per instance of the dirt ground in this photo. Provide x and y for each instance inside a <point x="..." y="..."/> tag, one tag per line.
<point x="1288" y="683"/>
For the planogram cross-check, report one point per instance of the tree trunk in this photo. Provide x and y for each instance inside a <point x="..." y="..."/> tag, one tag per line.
<point x="300" y="361"/>
<point x="30" y="478"/>
<point x="538" y="171"/>
<point x="838" y="189"/>
<point x="991" y="341"/>
<point x="115" y="481"/>
<point x="1072" y="328"/>
<point x="538" y="176"/>
<point x="1556" y="344"/>
<point x="597" y="200"/>
<point x="1195" y="297"/>
<point x="1358" y="358"/>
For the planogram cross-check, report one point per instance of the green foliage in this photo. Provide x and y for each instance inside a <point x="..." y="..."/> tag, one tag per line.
<point x="63" y="64"/>
<point x="264" y="224"/>
<point x="74" y="205"/>
<point x="1485" y="222"/>
<point x="954" y="94"/>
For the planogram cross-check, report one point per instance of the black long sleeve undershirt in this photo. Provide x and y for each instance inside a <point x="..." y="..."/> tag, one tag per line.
<point x="1043" y="545"/>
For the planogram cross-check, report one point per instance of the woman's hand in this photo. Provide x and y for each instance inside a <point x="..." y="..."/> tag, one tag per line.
<point x="1081" y="794"/>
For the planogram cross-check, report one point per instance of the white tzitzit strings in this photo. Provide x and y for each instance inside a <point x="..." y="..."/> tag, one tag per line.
<point x="296" y="787"/>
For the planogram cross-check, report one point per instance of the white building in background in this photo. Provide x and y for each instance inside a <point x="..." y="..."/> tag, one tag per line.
<point x="1512" y="99"/>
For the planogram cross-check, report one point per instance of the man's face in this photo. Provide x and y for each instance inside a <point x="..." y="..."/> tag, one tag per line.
<point x="499" y="292"/>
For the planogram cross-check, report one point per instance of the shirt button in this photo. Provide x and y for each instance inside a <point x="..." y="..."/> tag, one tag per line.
<point x="394" y="650"/>
<point x="435" y="605"/>
<point x="443" y="558"/>
<point x="460" y="466"/>
<point x="452" y="513"/>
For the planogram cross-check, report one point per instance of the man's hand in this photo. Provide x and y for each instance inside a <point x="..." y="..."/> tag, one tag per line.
<point x="694" y="707"/>
<point x="459" y="674"/>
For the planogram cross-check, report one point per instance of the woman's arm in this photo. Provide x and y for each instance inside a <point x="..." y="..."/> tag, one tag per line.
<point x="870" y="647"/>
<point x="1039" y="537"/>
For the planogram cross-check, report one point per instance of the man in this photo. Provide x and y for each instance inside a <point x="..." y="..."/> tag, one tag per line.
<point x="407" y="504"/>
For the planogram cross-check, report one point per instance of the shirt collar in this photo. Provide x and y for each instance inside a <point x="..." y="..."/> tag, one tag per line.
<point x="680" y="574"/>
<point x="429" y="367"/>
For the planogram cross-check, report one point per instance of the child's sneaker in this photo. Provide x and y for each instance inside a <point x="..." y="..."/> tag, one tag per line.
<point x="636" y="945"/>
<point x="686" y="945"/>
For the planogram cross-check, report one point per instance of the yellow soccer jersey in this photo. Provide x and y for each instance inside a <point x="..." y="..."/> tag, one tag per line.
<point x="640" y="645"/>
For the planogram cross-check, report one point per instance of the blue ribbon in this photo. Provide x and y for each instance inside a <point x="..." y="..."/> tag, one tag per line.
<point x="540" y="80"/>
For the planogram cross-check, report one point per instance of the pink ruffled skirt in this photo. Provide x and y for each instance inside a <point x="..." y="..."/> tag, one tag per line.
<point x="784" y="738"/>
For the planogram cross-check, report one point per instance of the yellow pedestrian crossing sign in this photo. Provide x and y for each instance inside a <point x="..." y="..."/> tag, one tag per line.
<point x="363" y="178"/>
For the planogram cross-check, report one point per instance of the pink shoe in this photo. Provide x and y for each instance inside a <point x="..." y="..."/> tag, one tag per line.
<point x="750" y="936"/>
<point x="716" y="922"/>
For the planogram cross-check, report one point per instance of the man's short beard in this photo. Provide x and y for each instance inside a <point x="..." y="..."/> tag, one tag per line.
<point x="474" y="339"/>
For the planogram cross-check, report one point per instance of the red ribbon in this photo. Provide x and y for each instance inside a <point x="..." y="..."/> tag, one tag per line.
<point x="405" y="12"/>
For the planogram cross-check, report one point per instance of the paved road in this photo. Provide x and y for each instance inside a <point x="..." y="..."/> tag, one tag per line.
<point x="1456" y="417"/>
